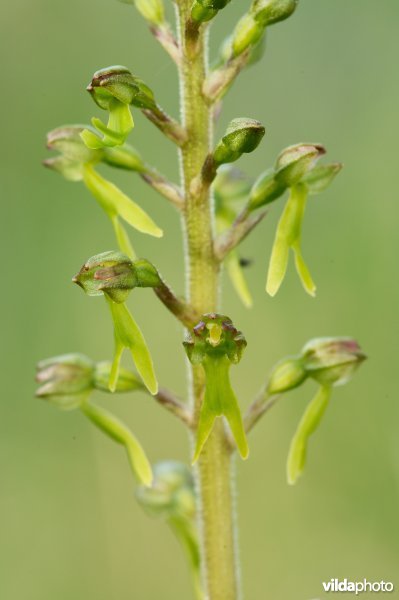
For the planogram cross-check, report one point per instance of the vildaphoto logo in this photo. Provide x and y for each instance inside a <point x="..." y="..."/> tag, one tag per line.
<point x="357" y="587"/>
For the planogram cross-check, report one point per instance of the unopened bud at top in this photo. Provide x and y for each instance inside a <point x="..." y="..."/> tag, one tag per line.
<point x="286" y="375"/>
<point x="268" y="12"/>
<point x="242" y="136"/>
<point x="65" y="380"/>
<point x="251" y="27"/>
<point x="205" y="10"/>
<point x="296" y="161"/>
<point x="118" y="83"/>
<point x="332" y="361"/>
<point x="114" y="274"/>
<point x="172" y="491"/>
<point x="247" y="34"/>
<point x="215" y="335"/>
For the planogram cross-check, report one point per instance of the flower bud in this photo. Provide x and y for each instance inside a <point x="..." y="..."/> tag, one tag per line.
<point x="319" y="178"/>
<point x="127" y="381"/>
<point x="114" y="274"/>
<point x="172" y="491"/>
<point x="152" y="10"/>
<point x="118" y="83"/>
<point x="332" y="361"/>
<point x="205" y="10"/>
<point x="251" y="27"/>
<point x="269" y="12"/>
<point x="247" y="33"/>
<point x="286" y="375"/>
<point x="265" y="190"/>
<point x="226" y="53"/>
<point x="296" y="161"/>
<point x="65" y="380"/>
<point x="242" y="136"/>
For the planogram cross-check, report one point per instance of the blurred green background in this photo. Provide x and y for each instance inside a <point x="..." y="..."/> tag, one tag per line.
<point x="70" y="527"/>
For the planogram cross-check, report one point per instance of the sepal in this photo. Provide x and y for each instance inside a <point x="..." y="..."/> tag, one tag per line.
<point x="307" y="426"/>
<point x="127" y="334"/>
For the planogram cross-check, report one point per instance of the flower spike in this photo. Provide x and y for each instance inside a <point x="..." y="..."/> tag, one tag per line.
<point x="216" y="344"/>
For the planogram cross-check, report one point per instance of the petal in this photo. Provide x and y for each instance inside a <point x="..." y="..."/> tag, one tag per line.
<point x="128" y="335"/>
<point x="303" y="271"/>
<point x="117" y="431"/>
<point x="115" y="202"/>
<point x="308" y="424"/>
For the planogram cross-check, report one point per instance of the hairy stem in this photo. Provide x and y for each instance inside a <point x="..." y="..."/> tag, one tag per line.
<point x="213" y="473"/>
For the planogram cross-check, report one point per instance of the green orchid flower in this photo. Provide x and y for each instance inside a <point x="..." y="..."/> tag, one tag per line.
<point x="216" y="344"/>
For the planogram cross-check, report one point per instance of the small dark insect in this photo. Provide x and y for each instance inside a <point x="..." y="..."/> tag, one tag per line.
<point x="246" y="262"/>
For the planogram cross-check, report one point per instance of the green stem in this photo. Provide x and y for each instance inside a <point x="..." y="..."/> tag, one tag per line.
<point x="213" y="473"/>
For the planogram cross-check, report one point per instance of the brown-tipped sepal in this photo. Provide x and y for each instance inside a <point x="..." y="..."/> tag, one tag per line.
<point x="332" y="360"/>
<point x="115" y="274"/>
<point x="295" y="162"/>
